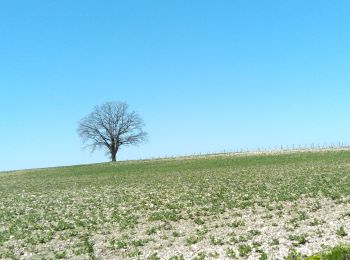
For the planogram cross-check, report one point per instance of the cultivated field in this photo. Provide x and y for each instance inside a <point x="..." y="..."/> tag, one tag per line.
<point x="246" y="206"/>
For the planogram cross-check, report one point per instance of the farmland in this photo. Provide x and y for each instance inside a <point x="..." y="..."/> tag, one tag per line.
<point x="267" y="206"/>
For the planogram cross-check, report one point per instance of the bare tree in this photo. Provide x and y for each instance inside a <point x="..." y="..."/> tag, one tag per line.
<point x="111" y="126"/>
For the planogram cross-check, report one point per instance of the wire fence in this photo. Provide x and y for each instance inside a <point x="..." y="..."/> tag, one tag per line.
<point x="261" y="150"/>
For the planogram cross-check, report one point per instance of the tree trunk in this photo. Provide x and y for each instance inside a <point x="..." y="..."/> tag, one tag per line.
<point x="113" y="155"/>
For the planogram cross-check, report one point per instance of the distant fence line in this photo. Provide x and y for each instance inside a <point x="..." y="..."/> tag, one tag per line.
<point x="271" y="149"/>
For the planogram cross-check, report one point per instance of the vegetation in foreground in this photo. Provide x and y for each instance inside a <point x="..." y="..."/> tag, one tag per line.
<point x="249" y="206"/>
<point x="340" y="252"/>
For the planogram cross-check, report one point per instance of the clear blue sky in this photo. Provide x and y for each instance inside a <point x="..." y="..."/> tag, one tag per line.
<point x="205" y="75"/>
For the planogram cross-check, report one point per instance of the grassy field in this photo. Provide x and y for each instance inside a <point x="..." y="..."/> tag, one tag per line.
<point x="247" y="206"/>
